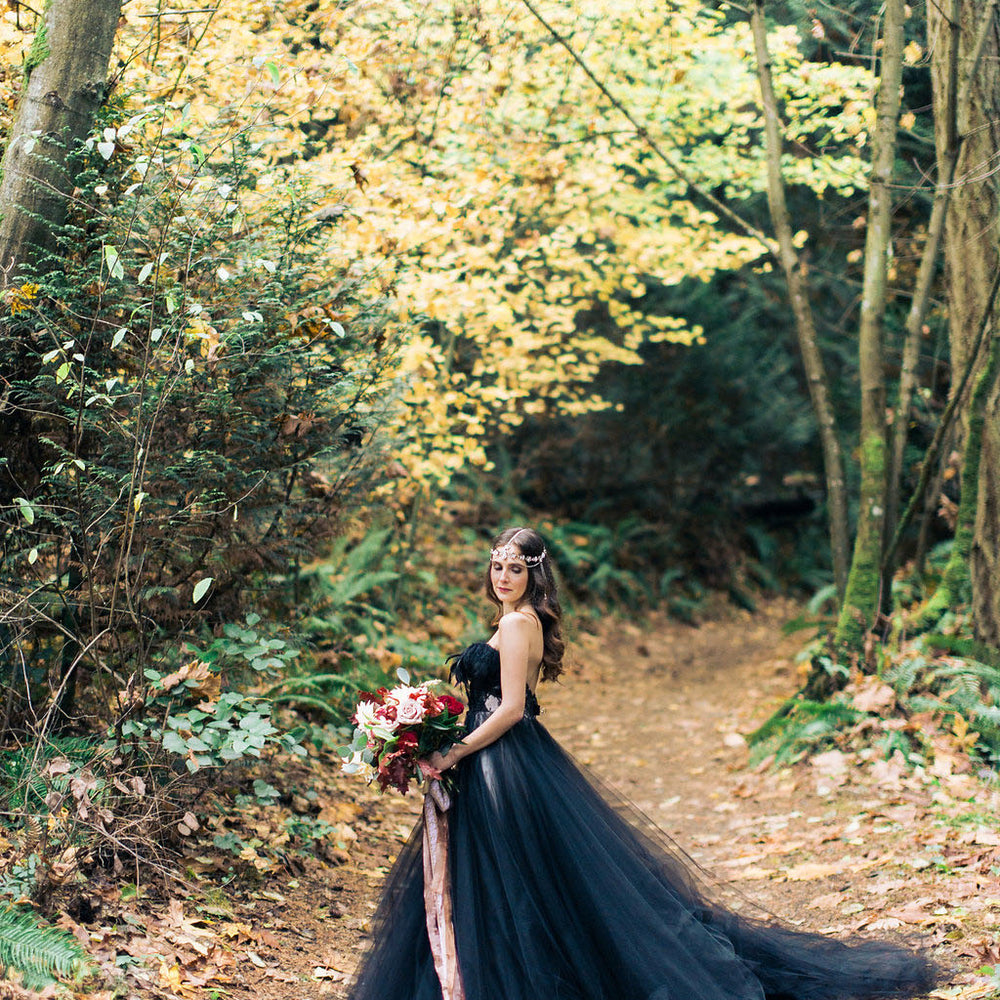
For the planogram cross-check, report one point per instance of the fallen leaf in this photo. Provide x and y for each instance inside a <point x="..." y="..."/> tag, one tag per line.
<point x="885" y="924"/>
<point x="872" y="695"/>
<point x="911" y="913"/>
<point x="825" y="901"/>
<point x="170" y="976"/>
<point x="830" y="763"/>
<point x="810" y="870"/>
<point x="753" y="873"/>
<point x="281" y="976"/>
<point x="321" y="972"/>
<point x="984" y="837"/>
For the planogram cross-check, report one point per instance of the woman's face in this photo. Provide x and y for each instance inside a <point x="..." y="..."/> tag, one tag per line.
<point x="510" y="579"/>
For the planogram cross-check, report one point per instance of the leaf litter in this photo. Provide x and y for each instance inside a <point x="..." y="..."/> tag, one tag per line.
<point x="847" y="842"/>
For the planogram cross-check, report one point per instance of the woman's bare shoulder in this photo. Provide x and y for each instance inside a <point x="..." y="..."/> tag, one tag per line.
<point x="516" y="622"/>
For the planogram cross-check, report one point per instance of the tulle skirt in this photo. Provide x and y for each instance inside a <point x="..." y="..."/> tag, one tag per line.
<point x="562" y="891"/>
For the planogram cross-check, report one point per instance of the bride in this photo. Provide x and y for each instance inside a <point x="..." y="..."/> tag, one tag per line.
<point x="561" y="891"/>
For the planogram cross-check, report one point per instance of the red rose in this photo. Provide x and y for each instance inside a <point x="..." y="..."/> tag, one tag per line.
<point x="407" y="741"/>
<point x="452" y="705"/>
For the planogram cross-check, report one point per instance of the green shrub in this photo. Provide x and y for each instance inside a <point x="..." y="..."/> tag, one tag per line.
<point x="958" y="687"/>
<point x="200" y="385"/>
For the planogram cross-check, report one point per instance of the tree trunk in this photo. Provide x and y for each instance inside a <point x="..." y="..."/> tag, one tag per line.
<point x="861" y="602"/>
<point x="805" y="326"/>
<point x="918" y="312"/>
<point x="956" y="573"/>
<point x="67" y="82"/>
<point x="972" y="259"/>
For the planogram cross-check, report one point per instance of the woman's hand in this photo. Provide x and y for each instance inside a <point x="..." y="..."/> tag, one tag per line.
<point x="438" y="762"/>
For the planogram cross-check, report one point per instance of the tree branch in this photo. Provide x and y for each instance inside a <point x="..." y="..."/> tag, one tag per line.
<point x="720" y="206"/>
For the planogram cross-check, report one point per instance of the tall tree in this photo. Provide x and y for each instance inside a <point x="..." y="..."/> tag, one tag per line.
<point x="860" y="604"/>
<point x="972" y="255"/>
<point x="805" y="324"/>
<point x="67" y="81"/>
<point x="66" y="84"/>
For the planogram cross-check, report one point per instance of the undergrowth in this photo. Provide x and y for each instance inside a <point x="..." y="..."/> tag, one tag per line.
<point x="937" y="682"/>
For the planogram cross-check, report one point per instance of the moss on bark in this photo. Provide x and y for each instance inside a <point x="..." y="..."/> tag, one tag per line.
<point x="956" y="572"/>
<point x="857" y="614"/>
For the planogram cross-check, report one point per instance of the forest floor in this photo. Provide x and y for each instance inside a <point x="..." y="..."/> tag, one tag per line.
<point x="846" y="843"/>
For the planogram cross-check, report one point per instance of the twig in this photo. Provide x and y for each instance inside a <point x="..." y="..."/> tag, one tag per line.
<point x="721" y="207"/>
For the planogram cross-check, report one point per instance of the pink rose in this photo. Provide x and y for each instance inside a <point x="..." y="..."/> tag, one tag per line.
<point x="410" y="712"/>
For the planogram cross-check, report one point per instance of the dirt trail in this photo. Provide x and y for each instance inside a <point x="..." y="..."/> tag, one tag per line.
<point x="844" y="845"/>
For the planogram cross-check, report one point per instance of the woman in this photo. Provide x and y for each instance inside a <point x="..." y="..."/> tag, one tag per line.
<point x="560" y="891"/>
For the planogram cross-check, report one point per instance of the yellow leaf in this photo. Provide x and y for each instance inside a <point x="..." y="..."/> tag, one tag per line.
<point x="170" y="976"/>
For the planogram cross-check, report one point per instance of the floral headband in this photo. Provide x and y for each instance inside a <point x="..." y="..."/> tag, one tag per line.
<point x="511" y="553"/>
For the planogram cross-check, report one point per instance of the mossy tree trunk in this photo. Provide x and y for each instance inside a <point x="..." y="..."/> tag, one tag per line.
<point x="956" y="574"/>
<point x="861" y="602"/>
<point x="66" y="85"/>
<point x="972" y="260"/>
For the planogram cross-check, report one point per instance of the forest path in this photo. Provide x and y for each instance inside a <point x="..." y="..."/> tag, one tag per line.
<point x="843" y="844"/>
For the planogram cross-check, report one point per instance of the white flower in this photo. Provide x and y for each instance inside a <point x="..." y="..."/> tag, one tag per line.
<point x="365" y="715"/>
<point x="405" y="692"/>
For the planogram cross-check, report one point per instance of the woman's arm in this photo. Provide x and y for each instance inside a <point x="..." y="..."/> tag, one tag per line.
<point x="514" y="642"/>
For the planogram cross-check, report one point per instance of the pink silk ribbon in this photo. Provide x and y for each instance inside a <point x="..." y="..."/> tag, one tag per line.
<point x="437" y="892"/>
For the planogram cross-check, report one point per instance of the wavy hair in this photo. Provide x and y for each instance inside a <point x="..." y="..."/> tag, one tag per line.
<point x="541" y="593"/>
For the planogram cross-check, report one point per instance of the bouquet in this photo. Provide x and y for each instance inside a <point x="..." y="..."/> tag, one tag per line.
<point x="394" y="729"/>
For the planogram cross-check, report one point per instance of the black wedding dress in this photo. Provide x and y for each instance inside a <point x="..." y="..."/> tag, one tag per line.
<point x="560" y="891"/>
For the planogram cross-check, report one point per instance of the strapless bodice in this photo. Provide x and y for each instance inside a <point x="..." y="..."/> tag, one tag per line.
<point x="477" y="668"/>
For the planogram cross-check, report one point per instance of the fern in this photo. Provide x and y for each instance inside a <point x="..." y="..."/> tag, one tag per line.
<point x="969" y="649"/>
<point x="902" y="676"/>
<point x="989" y="713"/>
<point x="349" y="573"/>
<point x="21" y="769"/>
<point x="39" y="953"/>
<point x="800" y="727"/>
<point x="895" y="740"/>
<point x="823" y="600"/>
<point x="967" y="687"/>
<point x="925" y="703"/>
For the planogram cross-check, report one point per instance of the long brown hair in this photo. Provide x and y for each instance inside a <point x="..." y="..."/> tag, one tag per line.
<point x="541" y="593"/>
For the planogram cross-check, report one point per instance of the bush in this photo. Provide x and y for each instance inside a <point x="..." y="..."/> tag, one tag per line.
<point x="200" y="387"/>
